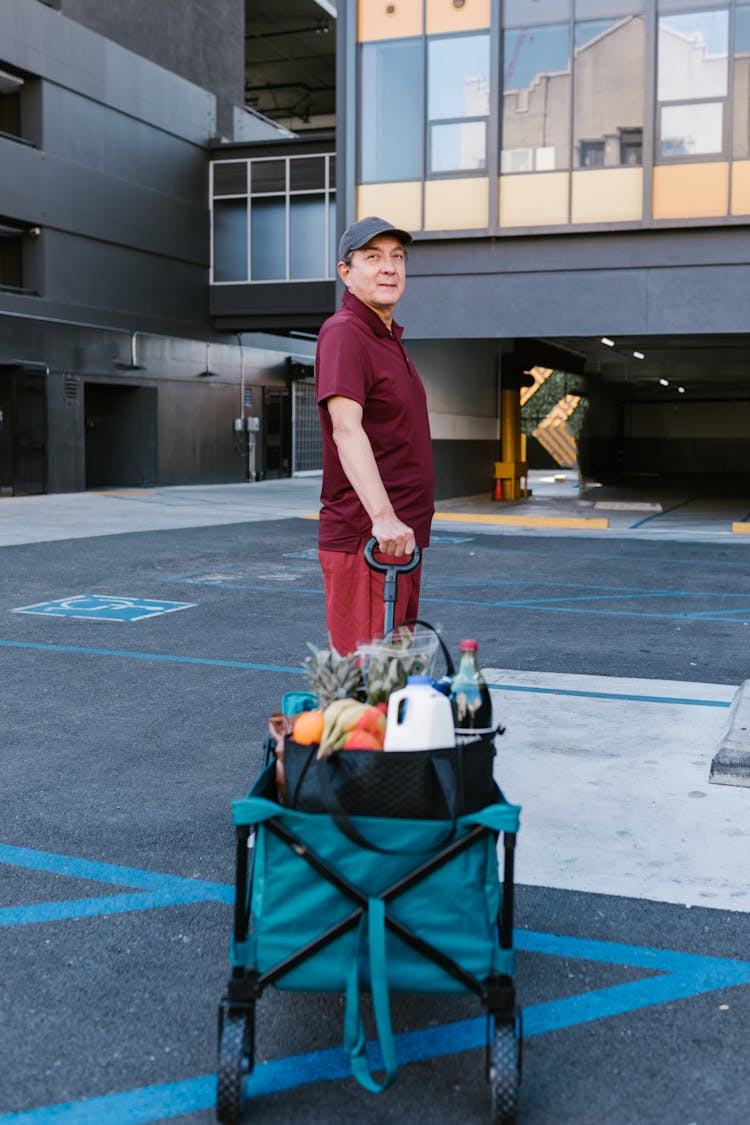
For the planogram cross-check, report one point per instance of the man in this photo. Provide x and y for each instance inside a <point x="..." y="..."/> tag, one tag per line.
<point x="378" y="477"/>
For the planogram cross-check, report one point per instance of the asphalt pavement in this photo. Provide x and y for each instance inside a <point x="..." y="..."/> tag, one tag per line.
<point x="147" y="635"/>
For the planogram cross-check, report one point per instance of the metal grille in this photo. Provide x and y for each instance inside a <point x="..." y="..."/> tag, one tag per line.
<point x="307" y="440"/>
<point x="71" y="388"/>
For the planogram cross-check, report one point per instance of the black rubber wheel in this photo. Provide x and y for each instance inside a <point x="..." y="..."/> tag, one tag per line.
<point x="235" y="1067"/>
<point x="505" y="1074"/>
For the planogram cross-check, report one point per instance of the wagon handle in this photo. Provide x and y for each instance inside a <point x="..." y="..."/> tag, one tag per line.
<point x="391" y="572"/>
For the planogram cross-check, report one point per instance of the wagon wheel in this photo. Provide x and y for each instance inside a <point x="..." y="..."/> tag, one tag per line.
<point x="235" y="1067"/>
<point x="505" y="1074"/>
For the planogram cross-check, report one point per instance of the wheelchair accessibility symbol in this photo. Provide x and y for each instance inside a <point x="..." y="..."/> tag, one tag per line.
<point x="104" y="607"/>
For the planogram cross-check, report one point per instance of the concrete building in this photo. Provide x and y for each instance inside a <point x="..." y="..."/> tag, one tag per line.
<point x="576" y="174"/>
<point x="111" y="371"/>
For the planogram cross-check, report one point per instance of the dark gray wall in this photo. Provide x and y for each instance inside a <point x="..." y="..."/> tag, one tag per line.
<point x="115" y="178"/>
<point x="629" y="283"/>
<point x="202" y="41"/>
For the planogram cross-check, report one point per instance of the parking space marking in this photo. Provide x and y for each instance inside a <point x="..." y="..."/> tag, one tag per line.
<point x="680" y="976"/>
<point x="155" y="890"/>
<point x="245" y="665"/>
<point x="104" y="607"/>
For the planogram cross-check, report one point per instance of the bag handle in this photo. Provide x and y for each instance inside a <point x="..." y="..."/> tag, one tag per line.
<point x="373" y="927"/>
<point x="340" y="816"/>
<point x="450" y="668"/>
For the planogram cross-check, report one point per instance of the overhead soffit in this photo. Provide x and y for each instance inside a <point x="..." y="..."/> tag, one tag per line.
<point x="290" y="59"/>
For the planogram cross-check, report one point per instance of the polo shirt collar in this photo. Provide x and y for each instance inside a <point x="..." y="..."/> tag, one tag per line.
<point x="370" y="317"/>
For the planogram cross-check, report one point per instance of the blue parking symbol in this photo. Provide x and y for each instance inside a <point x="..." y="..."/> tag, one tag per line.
<point x="104" y="607"/>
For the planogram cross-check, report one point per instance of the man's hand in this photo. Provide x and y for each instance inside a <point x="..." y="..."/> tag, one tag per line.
<point x="393" y="536"/>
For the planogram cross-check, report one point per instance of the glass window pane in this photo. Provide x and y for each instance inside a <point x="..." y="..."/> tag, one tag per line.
<point x="304" y="175"/>
<point x="536" y="98"/>
<point x="609" y="84"/>
<point x="458" y="147"/>
<point x="267" y="175"/>
<point x="520" y="13"/>
<point x="307" y="237"/>
<point x="392" y="111"/>
<point x="230" y="240"/>
<point x="332" y="172"/>
<point x="458" y="77"/>
<point x="595" y="9"/>
<point x="691" y="130"/>
<point x="741" y="128"/>
<point x="230" y="178"/>
<point x="268" y="240"/>
<point x="693" y="50"/>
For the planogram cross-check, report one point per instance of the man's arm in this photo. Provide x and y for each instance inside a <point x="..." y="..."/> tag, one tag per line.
<point x="358" y="462"/>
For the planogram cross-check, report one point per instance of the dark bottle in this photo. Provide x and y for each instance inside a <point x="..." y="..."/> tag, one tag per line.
<point x="470" y="697"/>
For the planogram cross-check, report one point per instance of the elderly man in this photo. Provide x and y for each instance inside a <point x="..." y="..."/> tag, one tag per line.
<point x="378" y="476"/>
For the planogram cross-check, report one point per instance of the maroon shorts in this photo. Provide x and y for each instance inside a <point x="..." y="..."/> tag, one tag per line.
<point x="354" y="597"/>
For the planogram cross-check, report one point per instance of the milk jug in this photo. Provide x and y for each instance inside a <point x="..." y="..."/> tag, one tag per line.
<point x="419" y="717"/>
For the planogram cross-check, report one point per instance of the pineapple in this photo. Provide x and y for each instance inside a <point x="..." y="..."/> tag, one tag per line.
<point x="332" y="676"/>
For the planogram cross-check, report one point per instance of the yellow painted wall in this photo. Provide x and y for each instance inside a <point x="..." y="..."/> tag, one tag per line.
<point x="741" y="187"/>
<point x="400" y="204"/>
<point x="388" y="19"/>
<point x="539" y="199"/>
<point x="456" y="204"/>
<point x="691" y="191"/>
<point x="442" y="17"/>
<point x="603" y="195"/>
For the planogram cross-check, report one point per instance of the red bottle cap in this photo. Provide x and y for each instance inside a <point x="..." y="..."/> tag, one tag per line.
<point x="469" y="646"/>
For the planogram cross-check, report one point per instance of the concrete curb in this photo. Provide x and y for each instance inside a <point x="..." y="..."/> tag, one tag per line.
<point x="572" y="522"/>
<point x="731" y="763"/>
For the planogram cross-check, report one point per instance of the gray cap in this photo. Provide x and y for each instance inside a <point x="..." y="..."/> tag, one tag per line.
<point x="359" y="234"/>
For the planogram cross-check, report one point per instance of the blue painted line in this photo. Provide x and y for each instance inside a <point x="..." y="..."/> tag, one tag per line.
<point x="156" y="890"/>
<point x="613" y="695"/>
<point x="682" y="976"/>
<point x="243" y="664"/>
<point x="570" y="609"/>
<point x="299" y="671"/>
<point x="658" y="515"/>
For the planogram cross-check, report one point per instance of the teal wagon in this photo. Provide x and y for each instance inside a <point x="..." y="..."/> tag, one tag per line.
<point x="415" y="906"/>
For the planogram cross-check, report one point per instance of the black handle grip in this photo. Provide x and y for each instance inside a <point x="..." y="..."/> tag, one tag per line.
<point x="400" y="568"/>
<point x="391" y="572"/>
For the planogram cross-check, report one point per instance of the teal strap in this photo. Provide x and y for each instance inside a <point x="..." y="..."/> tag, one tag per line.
<point x="371" y="931"/>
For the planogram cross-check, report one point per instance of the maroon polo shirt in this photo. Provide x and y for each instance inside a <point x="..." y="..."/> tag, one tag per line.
<point x="361" y="359"/>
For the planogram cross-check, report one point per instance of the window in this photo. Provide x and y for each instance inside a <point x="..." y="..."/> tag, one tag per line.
<point x="273" y="219"/>
<point x="10" y="103"/>
<point x="458" y="103"/>
<point x="741" y="126"/>
<point x="692" y="83"/>
<point x="608" y="82"/>
<point x="392" y="111"/>
<point x="536" y="98"/>
<point x="11" y="255"/>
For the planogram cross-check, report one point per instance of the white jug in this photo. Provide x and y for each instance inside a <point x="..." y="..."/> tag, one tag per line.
<point x="419" y="717"/>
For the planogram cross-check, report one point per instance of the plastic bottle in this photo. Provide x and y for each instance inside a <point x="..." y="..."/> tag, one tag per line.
<point x="419" y="717"/>
<point x="470" y="698"/>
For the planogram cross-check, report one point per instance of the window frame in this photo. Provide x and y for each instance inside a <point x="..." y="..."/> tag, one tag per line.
<point x="327" y="191"/>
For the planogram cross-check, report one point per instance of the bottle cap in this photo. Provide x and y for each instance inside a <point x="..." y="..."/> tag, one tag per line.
<point x="469" y="646"/>
<point x="418" y="680"/>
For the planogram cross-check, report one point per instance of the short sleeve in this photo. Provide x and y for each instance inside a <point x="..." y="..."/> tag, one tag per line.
<point x="341" y="363"/>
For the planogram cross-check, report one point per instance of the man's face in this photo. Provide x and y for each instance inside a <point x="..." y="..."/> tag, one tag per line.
<point x="377" y="274"/>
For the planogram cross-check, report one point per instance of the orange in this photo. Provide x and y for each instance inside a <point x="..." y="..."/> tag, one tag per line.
<point x="308" y="727"/>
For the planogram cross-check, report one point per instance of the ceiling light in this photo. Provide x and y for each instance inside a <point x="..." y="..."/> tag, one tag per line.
<point x="664" y="382"/>
<point x="606" y="340"/>
<point x="681" y="390"/>
<point x="638" y="355"/>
